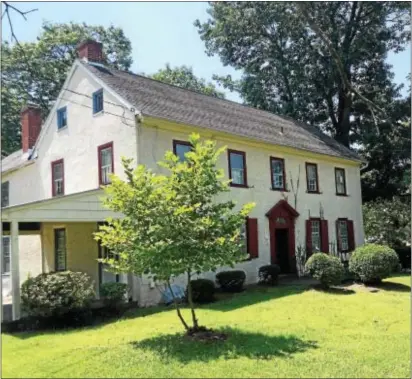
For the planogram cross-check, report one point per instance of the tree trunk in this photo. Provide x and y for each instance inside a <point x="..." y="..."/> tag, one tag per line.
<point x="190" y="300"/>
<point x="177" y="307"/>
<point x="344" y="111"/>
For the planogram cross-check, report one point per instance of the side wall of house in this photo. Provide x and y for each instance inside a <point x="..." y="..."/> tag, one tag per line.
<point x="76" y="143"/>
<point x="156" y="139"/>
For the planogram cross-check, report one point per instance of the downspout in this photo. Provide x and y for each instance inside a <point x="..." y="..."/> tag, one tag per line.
<point x="134" y="281"/>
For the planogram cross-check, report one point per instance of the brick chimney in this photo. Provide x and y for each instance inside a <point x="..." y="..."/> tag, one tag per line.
<point x="91" y="51"/>
<point x="30" y="126"/>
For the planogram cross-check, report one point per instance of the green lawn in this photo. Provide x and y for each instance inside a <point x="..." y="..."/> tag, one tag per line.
<point x="276" y="332"/>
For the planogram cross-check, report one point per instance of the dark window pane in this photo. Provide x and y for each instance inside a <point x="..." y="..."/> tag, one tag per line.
<point x="98" y="101"/>
<point x="5" y="194"/>
<point x="236" y="160"/>
<point x="181" y="150"/>
<point x="237" y="168"/>
<point x="60" y="249"/>
<point x="6" y="255"/>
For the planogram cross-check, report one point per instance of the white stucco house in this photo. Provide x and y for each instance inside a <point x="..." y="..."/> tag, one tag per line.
<point x="51" y="188"/>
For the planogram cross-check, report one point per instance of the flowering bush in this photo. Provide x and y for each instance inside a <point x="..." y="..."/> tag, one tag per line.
<point x="56" y="293"/>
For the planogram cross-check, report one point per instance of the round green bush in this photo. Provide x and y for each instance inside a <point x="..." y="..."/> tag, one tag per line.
<point x="269" y="274"/>
<point x="56" y="293"/>
<point x="203" y="291"/>
<point x="327" y="269"/>
<point x="231" y="281"/>
<point x="371" y="263"/>
<point x="113" y="293"/>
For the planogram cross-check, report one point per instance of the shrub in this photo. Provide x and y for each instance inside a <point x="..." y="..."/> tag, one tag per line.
<point x="231" y="281"/>
<point x="269" y="274"/>
<point x="371" y="263"/>
<point x="113" y="293"/>
<point x="325" y="268"/>
<point x="56" y="293"/>
<point x="203" y="290"/>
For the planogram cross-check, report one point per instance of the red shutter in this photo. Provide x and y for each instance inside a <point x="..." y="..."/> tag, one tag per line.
<point x="338" y="244"/>
<point x="252" y="237"/>
<point x="324" y="235"/>
<point x="351" y="235"/>
<point x="308" y="238"/>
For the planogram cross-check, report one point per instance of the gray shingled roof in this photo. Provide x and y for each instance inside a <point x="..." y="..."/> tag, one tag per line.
<point x="157" y="99"/>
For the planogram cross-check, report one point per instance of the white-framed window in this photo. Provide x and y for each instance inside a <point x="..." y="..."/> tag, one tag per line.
<point x="60" y="252"/>
<point x="315" y="236"/>
<point x="343" y="235"/>
<point x="105" y="163"/>
<point x="243" y="237"/>
<point x="58" y="177"/>
<point x="6" y="254"/>
<point x="340" y="181"/>
<point x="237" y="168"/>
<point x="312" y="177"/>
<point x="5" y="194"/>
<point x="277" y="166"/>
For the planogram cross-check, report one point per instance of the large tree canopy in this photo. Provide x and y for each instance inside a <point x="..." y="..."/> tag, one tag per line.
<point x="184" y="77"/>
<point x="289" y="69"/>
<point x="35" y="72"/>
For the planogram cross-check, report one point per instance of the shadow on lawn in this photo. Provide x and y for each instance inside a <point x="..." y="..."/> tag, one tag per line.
<point x="253" y="295"/>
<point x="238" y="344"/>
<point x="393" y="287"/>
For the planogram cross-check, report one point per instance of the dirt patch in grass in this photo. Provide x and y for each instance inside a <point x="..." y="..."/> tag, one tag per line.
<point x="205" y="335"/>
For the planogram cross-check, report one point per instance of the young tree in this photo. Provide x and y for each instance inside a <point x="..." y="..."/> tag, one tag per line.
<point x="174" y="224"/>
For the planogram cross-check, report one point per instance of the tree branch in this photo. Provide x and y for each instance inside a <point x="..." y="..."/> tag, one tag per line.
<point x="344" y="78"/>
<point x="23" y="14"/>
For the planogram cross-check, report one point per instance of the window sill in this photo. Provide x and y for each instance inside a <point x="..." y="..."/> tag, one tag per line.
<point x="314" y="192"/>
<point x="5" y="274"/>
<point x="239" y="185"/>
<point x="342" y="194"/>
<point x="63" y="128"/>
<point x="98" y="113"/>
<point x="279" y="190"/>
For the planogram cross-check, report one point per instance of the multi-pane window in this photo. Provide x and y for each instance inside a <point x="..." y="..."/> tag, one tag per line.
<point x="343" y="235"/>
<point x="105" y="275"/>
<point x="98" y="101"/>
<point x="61" y="118"/>
<point x="315" y="237"/>
<point x="312" y="177"/>
<point x="180" y="148"/>
<point x="243" y="237"/>
<point x="60" y="249"/>
<point x="5" y="194"/>
<point x="58" y="178"/>
<point x="6" y="255"/>
<point x="340" y="181"/>
<point x="237" y="168"/>
<point x="277" y="166"/>
<point x="105" y="163"/>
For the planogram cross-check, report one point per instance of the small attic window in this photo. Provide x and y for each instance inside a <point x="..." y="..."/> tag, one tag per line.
<point x="61" y="118"/>
<point x="98" y="101"/>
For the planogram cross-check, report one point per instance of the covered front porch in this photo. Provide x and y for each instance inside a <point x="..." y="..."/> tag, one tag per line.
<point x="65" y="227"/>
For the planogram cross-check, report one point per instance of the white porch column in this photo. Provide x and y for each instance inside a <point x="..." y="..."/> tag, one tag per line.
<point x="15" y="277"/>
